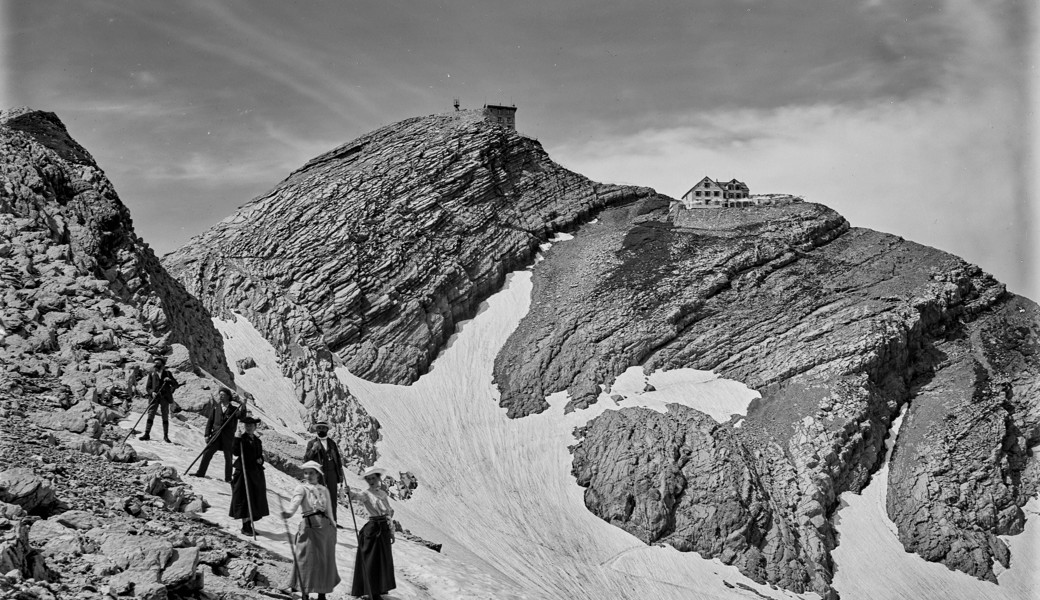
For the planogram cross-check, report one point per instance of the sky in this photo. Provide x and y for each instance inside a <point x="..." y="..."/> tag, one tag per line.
<point x="914" y="117"/>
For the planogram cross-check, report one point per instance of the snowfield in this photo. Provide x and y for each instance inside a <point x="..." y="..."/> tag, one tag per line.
<point x="499" y="494"/>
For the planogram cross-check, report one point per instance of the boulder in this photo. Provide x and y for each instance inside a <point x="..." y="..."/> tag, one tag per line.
<point x="181" y="569"/>
<point x="23" y="487"/>
<point x="82" y="443"/>
<point x="65" y="420"/>
<point x="179" y="359"/>
<point x="245" y="363"/>
<point x="18" y="558"/>
<point x="135" y="552"/>
<point x="194" y="394"/>
<point x="242" y="570"/>
<point x="121" y="453"/>
<point x="53" y="538"/>
<point x="11" y="511"/>
<point x="78" y="519"/>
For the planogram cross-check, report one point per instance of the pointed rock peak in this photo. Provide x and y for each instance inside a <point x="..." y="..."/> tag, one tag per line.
<point x="47" y="129"/>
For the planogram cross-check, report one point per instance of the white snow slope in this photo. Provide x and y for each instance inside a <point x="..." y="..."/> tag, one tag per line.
<point x="499" y="494"/>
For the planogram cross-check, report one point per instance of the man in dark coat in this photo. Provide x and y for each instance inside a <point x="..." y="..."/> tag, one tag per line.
<point x="220" y="431"/>
<point x="159" y="389"/>
<point x="248" y="484"/>
<point x="324" y="451"/>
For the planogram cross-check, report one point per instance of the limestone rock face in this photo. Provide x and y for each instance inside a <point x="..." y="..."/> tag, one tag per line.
<point x="963" y="464"/>
<point x="84" y="302"/>
<point x="838" y="328"/>
<point x="369" y="255"/>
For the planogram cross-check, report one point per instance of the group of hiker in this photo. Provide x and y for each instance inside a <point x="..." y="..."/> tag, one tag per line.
<point x="231" y="430"/>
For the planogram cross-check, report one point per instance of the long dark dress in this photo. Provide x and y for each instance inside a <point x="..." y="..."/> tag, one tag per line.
<point x="249" y="450"/>
<point x="374" y="564"/>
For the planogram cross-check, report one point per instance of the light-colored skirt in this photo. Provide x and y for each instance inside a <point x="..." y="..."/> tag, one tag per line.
<point x="316" y="554"/>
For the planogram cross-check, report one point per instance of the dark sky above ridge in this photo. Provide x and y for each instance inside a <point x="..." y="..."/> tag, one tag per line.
<point x="907" y="116"/>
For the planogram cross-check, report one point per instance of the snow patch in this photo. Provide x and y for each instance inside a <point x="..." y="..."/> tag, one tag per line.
<point x="700" y="390"/>
<point x="498" y="492"/>
<point x="276" y="398"/>
<point x="868" y="546"/>
<point x="422" y="574"/>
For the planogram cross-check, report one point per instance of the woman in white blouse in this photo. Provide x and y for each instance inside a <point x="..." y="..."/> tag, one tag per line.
<point x="316" y="539"/>
<point x="374" y="564"/>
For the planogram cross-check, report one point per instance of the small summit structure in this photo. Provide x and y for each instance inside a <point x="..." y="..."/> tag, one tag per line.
<point x="711" y="193"/>
<point x="501" y="115"/>
<point x="708" y="192"/>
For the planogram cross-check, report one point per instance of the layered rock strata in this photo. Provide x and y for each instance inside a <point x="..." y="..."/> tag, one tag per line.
<point x="369" y="255"/>
<point x="837" y="328"/>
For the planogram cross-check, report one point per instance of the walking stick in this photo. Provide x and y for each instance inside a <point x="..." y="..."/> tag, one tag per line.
<point x="211" y="440"/>
<point x="249" y="501"/>
<point x="357" y="534"/>
<point x="138" y="422"/>
<point x="292" y="548"/>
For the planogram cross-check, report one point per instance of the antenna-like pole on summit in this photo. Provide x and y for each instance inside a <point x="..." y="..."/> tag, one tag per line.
<point x="456" y="104"/>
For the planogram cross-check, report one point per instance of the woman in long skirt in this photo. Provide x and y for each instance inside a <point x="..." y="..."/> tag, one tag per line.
<point x="316" y="539"/>
<point x="374" y="564"/>
<point x="248" y="487"/>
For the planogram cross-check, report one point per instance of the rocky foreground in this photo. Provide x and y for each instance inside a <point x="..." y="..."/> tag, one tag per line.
<point x="84" y="306"/>
<point x="839" y="329"/>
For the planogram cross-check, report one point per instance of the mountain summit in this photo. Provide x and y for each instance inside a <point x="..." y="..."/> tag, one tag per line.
<point x="370" y="254"/>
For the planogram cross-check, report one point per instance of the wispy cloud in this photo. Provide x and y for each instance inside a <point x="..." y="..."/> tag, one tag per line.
<point x="947" y="168"/>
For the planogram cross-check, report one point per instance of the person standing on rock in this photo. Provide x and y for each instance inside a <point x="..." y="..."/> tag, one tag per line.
<point x="220" y="431"/>
<point x="316" y="539"/>
<point x="374" y="563"/>
<point x="248" y="484"/>
<point x="159" y="389"/>
<point x="324" y="451"/>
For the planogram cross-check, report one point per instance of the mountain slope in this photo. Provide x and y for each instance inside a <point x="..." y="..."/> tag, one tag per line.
<point x="367" y="258"/>
<point x="370" y="254"/>
<point x="837" y="327"/>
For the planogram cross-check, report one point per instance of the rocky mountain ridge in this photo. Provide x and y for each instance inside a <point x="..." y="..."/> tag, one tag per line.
<point x="84" y="307"/>
<point x="838" y="328"/>
<point x="373" y="251"/>
<point x="369" y="255"/>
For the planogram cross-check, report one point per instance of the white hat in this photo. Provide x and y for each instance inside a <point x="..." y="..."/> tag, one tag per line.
<point x="374" y="471"/>
<point x="310" y="464"/>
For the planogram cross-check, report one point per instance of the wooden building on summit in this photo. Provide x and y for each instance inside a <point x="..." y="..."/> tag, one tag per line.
<point x="501" y="115"/>
<point x="708" y="192"/>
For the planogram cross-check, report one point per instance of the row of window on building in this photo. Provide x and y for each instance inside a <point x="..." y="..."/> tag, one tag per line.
<point x="708" y="189"/>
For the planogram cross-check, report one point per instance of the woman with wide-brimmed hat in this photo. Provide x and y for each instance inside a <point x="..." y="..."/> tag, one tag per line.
<point x="374" y="564"/>
<point x="248" y="484"/>
<point x="316" y="538"/>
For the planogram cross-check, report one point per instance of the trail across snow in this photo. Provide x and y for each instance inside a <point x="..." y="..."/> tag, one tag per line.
<point x="422" y="574"/>
<point x="499" y="494"/>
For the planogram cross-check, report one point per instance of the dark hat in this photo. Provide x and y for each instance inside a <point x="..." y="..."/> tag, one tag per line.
<point x="249" y="420"/>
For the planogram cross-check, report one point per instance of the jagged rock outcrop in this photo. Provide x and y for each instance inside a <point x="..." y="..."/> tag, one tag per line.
<point x="368" y="255"/>
<point x="963" y="465"/>
<point x="84" y="305"/>
<point x="85" y="302"/>
<point x="835" y="326"/>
